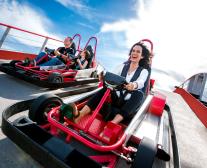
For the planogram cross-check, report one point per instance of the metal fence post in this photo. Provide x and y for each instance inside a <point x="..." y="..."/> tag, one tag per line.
<point x="4" y="36"/>
<point x="44" y="44"/>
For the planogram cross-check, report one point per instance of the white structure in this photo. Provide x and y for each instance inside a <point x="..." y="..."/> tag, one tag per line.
<point x="197" y="86"/>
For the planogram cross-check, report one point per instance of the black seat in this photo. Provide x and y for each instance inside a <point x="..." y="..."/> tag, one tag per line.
<point x="73" y="46"/>
<point x="90" y="59"/>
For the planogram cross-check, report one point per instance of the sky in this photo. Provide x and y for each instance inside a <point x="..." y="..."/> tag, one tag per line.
<point x="176" y="27"/>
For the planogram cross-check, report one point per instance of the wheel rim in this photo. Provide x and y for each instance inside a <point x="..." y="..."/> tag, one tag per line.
<point x="57" y="80"/>
<point x="49" y="107"/>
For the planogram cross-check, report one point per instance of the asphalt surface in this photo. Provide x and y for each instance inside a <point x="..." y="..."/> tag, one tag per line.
<point x="191" y="133"/>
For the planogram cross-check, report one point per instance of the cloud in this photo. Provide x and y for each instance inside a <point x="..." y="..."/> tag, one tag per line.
<point x="177" y="29"/>
<point x="86" y="25"/>
<point x="29" y="18"/>
<point x="79" y="7"/>
<point x="83" y="9"/>
<point x="77" y="4"/>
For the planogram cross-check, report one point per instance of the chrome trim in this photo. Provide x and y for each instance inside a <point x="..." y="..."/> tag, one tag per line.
<point x="137" y="118"/>
<point x="75" y="98"/>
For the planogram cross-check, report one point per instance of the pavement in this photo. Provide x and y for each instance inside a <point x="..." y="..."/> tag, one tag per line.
<point x="191" y="133"/>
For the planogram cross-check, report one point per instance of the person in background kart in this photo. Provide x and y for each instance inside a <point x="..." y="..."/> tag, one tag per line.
<point x="62" y="55"/>
<point x="82" y="60"/>
<point x="135" y="70"/>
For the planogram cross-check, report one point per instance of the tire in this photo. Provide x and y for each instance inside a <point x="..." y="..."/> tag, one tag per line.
<point x="41" y="106"/>
<point x="55" y="77"/>
<point x="94" y="74"/>
<point x="145" y="154"/>
<point x="13" y="62"/>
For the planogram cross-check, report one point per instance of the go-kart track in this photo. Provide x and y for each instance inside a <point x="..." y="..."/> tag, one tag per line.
<point x="191" y="134"/>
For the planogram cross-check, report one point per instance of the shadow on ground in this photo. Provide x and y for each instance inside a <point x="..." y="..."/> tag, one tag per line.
<point x="16" y="89"/>
<point x="12" y="156"/>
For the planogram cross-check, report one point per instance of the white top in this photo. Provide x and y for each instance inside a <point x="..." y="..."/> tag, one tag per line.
<point x="140" y="80"/>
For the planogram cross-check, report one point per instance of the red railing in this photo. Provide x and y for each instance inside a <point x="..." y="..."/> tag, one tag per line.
<point x="20" y="55"/>
<point x="196" y="106"/>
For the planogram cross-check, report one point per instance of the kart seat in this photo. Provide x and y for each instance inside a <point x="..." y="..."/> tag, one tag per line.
<point x="90" y="59"/>
<point x="73" y="46"/>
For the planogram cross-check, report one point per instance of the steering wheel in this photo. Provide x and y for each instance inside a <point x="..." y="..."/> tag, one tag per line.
<point x="114" y="81"/>
<point x="49" y="51"/>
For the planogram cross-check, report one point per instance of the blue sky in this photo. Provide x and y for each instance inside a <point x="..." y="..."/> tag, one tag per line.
<point x="81" y="16"/>
<point x="176" y="27"/>
<point x="59" y="18"/>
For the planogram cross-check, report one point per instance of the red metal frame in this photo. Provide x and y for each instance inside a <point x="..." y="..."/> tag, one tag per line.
<point x="95" y="45"/>
<point x="68" y="75"/>
<point x="75" y="135"/>
<point x="79" y="39"/>
<point x="54" y="123"/>
<point x="151" y="43"/>
<point x="94" y="114"/>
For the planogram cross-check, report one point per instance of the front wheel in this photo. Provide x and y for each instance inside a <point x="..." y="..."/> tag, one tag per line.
<point x="13" y="62"/>
<point x="145" y="154"/>
<point x="94" y="74"/>
<point x="41" y="106"/>
<point x="55" y="77"/>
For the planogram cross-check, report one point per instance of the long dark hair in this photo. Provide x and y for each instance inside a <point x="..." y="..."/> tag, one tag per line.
<point x="144" y="62"/>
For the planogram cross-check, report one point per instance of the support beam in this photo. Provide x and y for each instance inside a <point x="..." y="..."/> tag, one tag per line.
<point x="44" y="44"/>
<point x="4" y="36"/>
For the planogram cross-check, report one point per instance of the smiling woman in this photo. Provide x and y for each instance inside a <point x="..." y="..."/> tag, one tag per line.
<point x="136" y="75"/>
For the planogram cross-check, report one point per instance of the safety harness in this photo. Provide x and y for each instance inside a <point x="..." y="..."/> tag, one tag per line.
<point x="135" y="76"/>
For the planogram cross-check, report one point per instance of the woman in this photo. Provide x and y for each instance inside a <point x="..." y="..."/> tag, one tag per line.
<point x="82" y="61"/>
<point x="136" y="74"/>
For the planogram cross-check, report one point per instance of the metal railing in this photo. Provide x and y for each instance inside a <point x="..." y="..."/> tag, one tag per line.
<point x="38" y="44"/>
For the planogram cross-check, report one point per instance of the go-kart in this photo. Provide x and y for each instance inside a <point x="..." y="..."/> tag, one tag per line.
<point x="51" y="137"/>
<point x="55" y="76"/>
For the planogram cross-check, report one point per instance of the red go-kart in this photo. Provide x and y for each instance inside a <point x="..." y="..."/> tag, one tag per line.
<point x="59" y="75"/>
<point x="134" y="143"/>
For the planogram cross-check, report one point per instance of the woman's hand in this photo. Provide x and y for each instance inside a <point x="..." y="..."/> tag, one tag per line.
<point x="78" y="61"/>
<point x="129" y="86"/>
